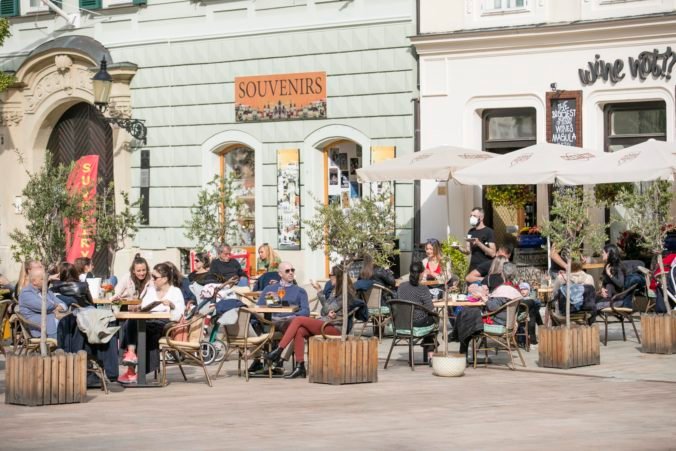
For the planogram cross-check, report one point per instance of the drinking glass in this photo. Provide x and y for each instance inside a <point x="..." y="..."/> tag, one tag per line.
<point x="281" y="292"/>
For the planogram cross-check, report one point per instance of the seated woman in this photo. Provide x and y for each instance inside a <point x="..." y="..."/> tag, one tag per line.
<point x="69" y="289"/>
<point x="302" y="327"/>
<point x="612" y="279"/>
<point x="84" y="267"/>
<point x="163" y="294"/>
<point x="419" y="294"/>
<point x="495" y="278"/>
<point x="371" y="273"/>
<point x="131" y="286"/>
<point x="201" y="273"/>
<point x="268" y="260"/>
<point x="432" y="261"/>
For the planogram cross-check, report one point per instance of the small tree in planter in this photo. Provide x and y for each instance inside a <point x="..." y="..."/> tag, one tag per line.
<point x="646" y="214"/>
<point x="113" y="228"/>
<point x="213" y="217"/>
<point x="366" y="227"/>
<point x="570" y="230"/>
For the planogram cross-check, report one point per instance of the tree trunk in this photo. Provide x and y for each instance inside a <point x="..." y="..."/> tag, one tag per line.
<point x="346" y="274"/>
<point x="663" y="279"/>
<point x="111" y="266"/>
<point x="43" y="317"/>
<point x="567" y="293"/>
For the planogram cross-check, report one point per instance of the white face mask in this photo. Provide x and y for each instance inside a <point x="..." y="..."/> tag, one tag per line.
<point x="473" y="220"/>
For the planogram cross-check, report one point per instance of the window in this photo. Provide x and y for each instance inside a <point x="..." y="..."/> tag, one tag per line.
<point x="239" y="162"/>
<point x="90" y="4"/>
<point x="503" y="5"/>
<point x="627" y="124"/>
<point x="9" y="8"/>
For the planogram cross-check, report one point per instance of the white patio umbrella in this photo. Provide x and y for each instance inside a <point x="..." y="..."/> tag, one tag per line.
<point x="437" y="163"/>
<point x="649" y="160"/>
<point x="533" y="165"/>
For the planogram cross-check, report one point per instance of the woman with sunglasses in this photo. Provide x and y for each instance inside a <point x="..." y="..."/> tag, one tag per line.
<point x="202" y="262"/>
<point x="162" y="295"/>
<point x="301" y="328"/>
<point x="268" y="260"/>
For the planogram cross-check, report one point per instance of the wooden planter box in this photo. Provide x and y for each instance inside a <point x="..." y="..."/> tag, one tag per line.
<point x="336" y="362"/>
<point x="33" y="380"/>
<point x="658" y="334"/>
<point x="564" y="348"/>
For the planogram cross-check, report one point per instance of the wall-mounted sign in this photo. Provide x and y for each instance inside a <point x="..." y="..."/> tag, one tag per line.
<point x="564" y="118"/>
<point x="288" y="199"/>
<point x="648" y="64"/>
<point x="280" y="97"/>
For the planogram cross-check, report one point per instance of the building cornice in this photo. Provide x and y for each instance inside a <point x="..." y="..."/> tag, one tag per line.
<point x="662" y="27"/>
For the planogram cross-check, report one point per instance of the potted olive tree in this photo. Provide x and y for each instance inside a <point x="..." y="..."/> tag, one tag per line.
<point x="570" y="230"/>
<point x="647" y="211"/>
<point x="366" y="227"/>
<point x="52" y="213"/>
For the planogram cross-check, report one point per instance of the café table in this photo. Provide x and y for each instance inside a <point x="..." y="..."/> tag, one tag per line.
<point x="141" y="318"/>
<point x="119" y="301"/>
<point x="269" y="310"/>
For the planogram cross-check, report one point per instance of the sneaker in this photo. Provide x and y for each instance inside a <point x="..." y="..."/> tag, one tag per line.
<point x="129" y="358"/>
<point x="128" y="378"/>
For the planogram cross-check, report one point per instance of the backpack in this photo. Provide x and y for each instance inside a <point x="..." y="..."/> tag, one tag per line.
<point x="576" y="296"/>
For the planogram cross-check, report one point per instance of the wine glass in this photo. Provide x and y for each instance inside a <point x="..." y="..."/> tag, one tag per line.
<point x="281" y="292"/>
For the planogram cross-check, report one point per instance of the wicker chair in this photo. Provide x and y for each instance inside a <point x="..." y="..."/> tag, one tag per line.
<point x="186" y="352"/>
<point x="404" y="332"/>
<point x="615" y="310"/>
<point x="240" y="336"/>
<point x="379" y="315"/>
<point x="25" y="342"/>
<point x="4" y="309"/>
<point x="500" y="337"/>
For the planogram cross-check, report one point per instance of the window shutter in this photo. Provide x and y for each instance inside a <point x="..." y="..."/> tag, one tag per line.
<point x="9" y="8"/>
<point x="90" y="4"/>
<point x="140" y="2"/>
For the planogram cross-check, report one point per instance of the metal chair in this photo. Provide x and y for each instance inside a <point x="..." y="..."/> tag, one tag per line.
<point x="404" y="332"/>
<point x="500" y="337"/>
<point x="185" y="351"/>
<point x="615" y="310"/>
<point x="379" y="315"/>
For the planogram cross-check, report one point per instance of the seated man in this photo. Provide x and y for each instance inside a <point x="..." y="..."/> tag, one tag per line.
<point x="227" y="267"/>
<point x="30" y="304"/>
<point x="477" y="274"/>
<point x="292" y="294"/>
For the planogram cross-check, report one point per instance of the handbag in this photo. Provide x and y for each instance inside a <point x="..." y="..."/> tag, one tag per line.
<point x="181" y="331"/>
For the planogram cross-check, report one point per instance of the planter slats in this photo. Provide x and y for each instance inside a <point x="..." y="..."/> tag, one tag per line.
<point x="336" y="362"/>
<point x="33" y="380"/>
<point x="569" y="348"/>
<point x="658" y="334"/>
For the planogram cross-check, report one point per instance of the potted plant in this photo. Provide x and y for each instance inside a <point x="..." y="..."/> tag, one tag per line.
<point x="606" y="194"/>
<point x="366" y="227"/>
<point x="570" y="230"/>
<point x="52" y="213"/>
<point x="646" y="213"/>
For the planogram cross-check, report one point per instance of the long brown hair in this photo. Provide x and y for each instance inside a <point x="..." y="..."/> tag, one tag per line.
<point x="367" y="268"/>
<point x="171" y="272"/>
<point x="338" y="289"/>
<point x="139" y="285"/>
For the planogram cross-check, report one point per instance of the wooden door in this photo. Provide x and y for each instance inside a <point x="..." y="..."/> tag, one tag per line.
<point x="81" y="131"/>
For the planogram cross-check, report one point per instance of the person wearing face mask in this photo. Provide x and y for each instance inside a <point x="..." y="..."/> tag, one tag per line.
<point x="480" y="240"/>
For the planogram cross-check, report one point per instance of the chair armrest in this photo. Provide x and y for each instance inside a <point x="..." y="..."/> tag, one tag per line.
<point x="384" y="288"/>
<point x="261" y="319"/>
<point x="620" y="296"/>
<point x="502" y="307"/>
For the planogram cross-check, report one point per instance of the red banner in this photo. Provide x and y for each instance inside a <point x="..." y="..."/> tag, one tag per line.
<point x="82" y="180"/>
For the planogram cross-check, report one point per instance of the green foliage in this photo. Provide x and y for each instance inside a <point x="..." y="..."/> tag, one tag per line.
<point x="50" y="212"/>
<point x="572" y="228"/>
<point x="112" y="228"/>
<point x="367" y="227"/>
<point x="459" y="261"/>
<point x="608" y="193"/>
<point x="213" y="219"/>
<point x="5" y="79"/>
<point x="647" y="213"/>
<point x="516" y="196"/>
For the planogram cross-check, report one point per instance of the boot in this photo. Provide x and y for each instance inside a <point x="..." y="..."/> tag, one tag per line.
<point x="299" y="371"/>
<point x="273" y="356"/>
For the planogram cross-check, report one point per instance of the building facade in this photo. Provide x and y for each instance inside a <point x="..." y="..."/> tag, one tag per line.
<point x="499" y="75"/>
<point x="206" y="77"/>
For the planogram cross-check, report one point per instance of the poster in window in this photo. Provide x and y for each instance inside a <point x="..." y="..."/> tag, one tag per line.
<point x="354" y="165"/>
<point x="378" y="154"/>
<point x="288" y="199"/>
<point x="334" y="182"/>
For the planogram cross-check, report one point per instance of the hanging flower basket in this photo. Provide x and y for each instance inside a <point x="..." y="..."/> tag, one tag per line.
<point x="516" y="196"/>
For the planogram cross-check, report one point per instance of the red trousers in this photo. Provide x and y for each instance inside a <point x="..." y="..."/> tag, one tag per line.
<point x="301" y="328"/>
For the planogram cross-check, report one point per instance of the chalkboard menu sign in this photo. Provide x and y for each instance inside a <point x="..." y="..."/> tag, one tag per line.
<point x="564" y="121"/>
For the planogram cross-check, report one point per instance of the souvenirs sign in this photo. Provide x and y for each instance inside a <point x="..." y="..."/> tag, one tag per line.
<point x="280" y="97"/>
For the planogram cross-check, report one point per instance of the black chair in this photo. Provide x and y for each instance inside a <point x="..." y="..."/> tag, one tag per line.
<point x="620" y="313"/>
<point x="404" y="332"/>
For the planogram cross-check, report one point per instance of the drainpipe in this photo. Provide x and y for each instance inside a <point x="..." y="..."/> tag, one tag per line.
<point x="416" y="131"/>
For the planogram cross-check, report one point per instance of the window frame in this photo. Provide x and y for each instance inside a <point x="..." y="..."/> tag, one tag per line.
<point x="496" y="145"/>
<point x="630" y="139"/>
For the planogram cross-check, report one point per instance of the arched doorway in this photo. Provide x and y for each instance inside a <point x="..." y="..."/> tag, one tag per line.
<point x="80" y="131"/>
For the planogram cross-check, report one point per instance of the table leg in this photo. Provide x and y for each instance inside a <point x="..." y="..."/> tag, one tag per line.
<point x="141" y="352"/>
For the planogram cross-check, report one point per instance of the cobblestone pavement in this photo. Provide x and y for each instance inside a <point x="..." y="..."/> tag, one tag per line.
<point x="618" y="407"/>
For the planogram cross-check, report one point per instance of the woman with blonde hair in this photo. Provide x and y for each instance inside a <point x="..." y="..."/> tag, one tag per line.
<point x="495" y="278"/>
<point x="268" y="260"/>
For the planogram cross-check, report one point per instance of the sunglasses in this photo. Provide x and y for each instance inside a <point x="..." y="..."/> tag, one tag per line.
<point x="155" y="277"/>
<point x="286" y="271"/>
